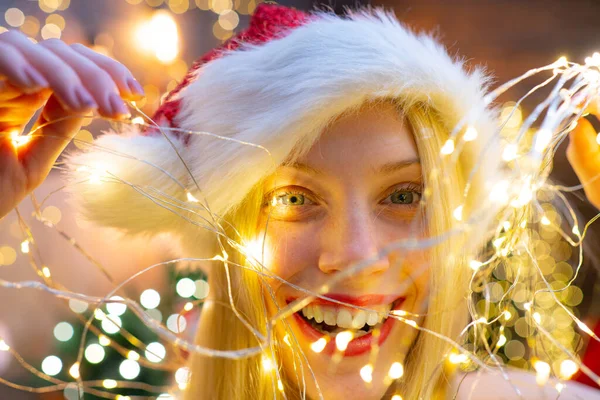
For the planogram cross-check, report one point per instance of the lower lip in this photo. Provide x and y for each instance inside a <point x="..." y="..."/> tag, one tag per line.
<point x="356" y="347"/>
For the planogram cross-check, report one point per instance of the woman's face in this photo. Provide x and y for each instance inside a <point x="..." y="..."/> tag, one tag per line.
<point x="356" y="191"/>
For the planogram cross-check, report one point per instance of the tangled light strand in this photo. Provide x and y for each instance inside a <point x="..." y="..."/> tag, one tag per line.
<point x="527" y="164"/>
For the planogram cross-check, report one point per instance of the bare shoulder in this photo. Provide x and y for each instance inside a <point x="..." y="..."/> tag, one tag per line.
<point x="493" y="386"/>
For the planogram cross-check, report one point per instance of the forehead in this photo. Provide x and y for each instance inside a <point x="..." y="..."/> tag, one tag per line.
<point x="362" y="141"/>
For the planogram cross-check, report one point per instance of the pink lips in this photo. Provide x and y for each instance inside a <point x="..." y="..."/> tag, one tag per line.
<point x="359" y="345"/>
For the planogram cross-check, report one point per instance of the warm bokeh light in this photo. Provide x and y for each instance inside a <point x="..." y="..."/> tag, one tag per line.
<point x="52" y="365"/>
<point x="159" y="36"/>
<point x="14" y="17"/>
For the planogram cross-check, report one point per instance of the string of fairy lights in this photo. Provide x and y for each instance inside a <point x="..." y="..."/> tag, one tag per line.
<point x="523" y="301"/>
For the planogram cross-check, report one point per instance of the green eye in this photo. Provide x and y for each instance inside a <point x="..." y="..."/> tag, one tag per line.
<point x="289" y="199"/>
<point x="404" y="197"/>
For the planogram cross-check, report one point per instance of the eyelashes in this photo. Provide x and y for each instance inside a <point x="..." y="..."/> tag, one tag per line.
<point x="406" y="195"/>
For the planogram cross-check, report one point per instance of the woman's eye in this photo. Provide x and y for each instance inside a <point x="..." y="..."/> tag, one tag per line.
<point x="404" y="197"/>
<point x="289" y="199"/>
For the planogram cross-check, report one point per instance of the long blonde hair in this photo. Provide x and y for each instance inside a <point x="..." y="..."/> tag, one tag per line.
<point x="220" y="328"/>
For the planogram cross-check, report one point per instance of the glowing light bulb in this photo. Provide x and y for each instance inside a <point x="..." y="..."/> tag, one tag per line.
<point x="396" y="371"/>
<point x="501" y="341"/>
<point x="139" y="121"/>
<point x="280" y="385"/>
<point x="542" y="372"/>
<point x="25" y="246"/>
<point x="470" y="134"/>
<point x="575" y="231"/>
<point x="319" y="345"/>
<point x="109" y="383"/>
<point x="510" y="152"/>
<point x="542" y="140"/>
<point x="342" y="339"/>
<point x="448" y="147"/>
<point x="458" y="213"/>
<point x="545" y="220"/>
<point x="457" y="358"/>
<point x="396" y="397"/>
<point x="267" y="363"/>
<point x="104" y="340"/>
<point x="366" y="373"/>
<point x="286" y="340"/>
<point x="191" y="198"/>
<point x="507" y="315"/>
<point x="188" y="306"/>
<point x="4" y="346"/>
<point x="568" y="368"/>
<point x="133" y="355"/>
<point x="475" y="265"/>
<point x="46" y="272"/>
<point x="160" y="37"/>
<point x="74" y="371"/>
<point x="537" y="317"/>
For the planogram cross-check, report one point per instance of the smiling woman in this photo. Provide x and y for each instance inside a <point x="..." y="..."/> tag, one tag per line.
<point x="342" y="180"/>
<point x="353" y="204"/>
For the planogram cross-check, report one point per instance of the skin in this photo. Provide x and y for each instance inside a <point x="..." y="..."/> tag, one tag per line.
<point x="66" y="81"/>
<point x="347" y="223"/>
<point x="349" y="214"/>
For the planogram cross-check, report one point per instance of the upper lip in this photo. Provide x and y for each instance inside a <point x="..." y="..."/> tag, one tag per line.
<point x="360" y="301"/>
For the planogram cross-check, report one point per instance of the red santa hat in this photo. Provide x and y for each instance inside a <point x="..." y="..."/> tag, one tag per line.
<point x="276" y="85"/>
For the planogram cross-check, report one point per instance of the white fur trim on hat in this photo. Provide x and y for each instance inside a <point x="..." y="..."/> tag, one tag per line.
<point x="279" y="95"/>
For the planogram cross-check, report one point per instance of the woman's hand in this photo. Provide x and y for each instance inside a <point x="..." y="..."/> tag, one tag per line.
<point x="67" y="81"/>
<point x="583" y="153"/>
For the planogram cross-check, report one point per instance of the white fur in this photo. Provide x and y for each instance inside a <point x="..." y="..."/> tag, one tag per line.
<point x="281" y="95"/>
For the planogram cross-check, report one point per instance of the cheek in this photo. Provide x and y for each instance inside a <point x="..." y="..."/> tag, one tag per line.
<point x="292" y="249"/>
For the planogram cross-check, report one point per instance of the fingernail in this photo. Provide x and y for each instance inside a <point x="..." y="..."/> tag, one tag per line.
<point x="35" y="79"/>
<point x="117" y="106"/>
<point x="135" y="87"/>
<point x="86" y="101"/>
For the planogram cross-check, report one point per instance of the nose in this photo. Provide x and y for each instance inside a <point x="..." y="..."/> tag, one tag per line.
<point x="350" y="239"/>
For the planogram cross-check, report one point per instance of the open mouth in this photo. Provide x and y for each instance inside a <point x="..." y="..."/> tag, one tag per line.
<point x="323" y="319"/>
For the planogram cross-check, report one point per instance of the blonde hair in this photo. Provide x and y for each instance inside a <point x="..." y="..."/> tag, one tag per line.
<point x="220" y="328"/>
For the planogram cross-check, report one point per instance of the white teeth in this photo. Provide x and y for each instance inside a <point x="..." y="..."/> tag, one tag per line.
<point x="318" y="314"/>
<point x="373" y="318"/>
<point x="329" y="317"/>
<point x="359" y="320"/>
<point x="344" y="319"/>
<point x="309" y="312"/>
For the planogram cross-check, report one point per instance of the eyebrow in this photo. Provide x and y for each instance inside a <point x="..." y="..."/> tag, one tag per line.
<point x="388" y="168"/>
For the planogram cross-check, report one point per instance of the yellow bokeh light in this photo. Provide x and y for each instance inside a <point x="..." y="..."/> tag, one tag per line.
<point x="14" y="17"/>
<point x="56" y="19"/>
<point x="51" y="31"/>
<point x="396" y="371"/>
<point x="52" y="214"/>
<point x="159" y="36"/>
<point x="179" y="6"/>
<point x="31" y="26"/>
<point x="50" y="6"/>
<point x="366" y="373"/>
<point x="74" y="371"/>
<point x="342" y="339"/>
<point x="229" y="20"/>
<point x="319" y="345"/>
<point x="83" y="139"/>
<point x="109" y="383"/>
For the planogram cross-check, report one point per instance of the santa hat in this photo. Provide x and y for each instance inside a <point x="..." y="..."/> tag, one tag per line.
<point x="276" y="86"/>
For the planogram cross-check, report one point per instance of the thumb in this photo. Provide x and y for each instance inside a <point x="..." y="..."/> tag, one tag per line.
<point x="50" y="135"/>
<point x="583" y="154"/>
